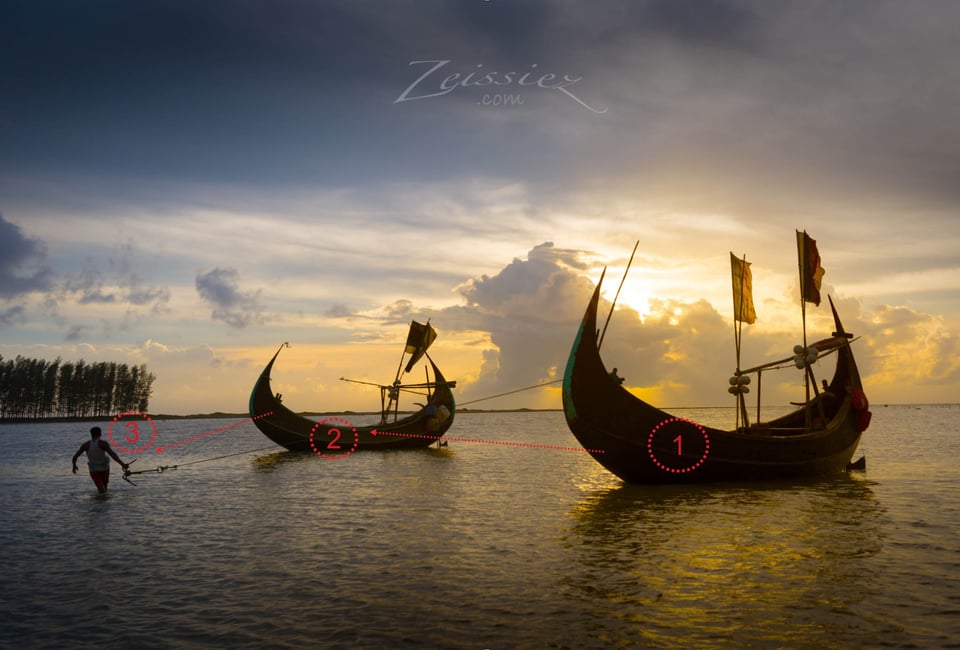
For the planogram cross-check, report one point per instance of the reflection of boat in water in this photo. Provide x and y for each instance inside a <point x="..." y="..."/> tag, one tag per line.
<point x="337" y="436"/>
<point x="272" y="461"/>
<point x="643" y="444"/>
<point x="750" y="564"/>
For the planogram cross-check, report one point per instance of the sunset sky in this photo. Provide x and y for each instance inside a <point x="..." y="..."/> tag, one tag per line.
<point x="190" y="184"/>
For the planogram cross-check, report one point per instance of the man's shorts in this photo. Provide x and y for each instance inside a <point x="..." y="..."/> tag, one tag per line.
<point x="100" y="479"/>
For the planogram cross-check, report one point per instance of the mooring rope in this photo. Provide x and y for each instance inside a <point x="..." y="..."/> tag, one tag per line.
<point x="160" y="469"/>
<point x="519" y="390"/>
<point x="163" y="468"/>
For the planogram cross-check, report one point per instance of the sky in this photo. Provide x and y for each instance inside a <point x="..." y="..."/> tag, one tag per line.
<point x="189" y="185"/>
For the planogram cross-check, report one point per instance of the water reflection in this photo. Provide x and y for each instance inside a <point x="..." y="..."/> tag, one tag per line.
<point x="270" y="462"/>
<point x="779" y="564"/>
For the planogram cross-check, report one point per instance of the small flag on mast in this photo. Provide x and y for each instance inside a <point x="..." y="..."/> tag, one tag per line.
<point x="811" y="273"/>
<point x="742" y="290"/>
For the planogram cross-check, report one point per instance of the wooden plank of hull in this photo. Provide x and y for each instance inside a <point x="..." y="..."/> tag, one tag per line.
<point x="291" y="430"/>
<point x="638" y="442"/>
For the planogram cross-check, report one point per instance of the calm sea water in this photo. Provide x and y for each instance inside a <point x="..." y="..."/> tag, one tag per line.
<point x="474" y="545"/>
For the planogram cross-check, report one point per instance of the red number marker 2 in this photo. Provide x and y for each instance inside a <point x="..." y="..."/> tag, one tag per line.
<point x="333" y="443"/>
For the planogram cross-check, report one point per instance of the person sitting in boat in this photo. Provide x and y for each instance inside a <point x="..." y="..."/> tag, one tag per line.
<point x="617" y="379"/>
<point x="432" y="422"/>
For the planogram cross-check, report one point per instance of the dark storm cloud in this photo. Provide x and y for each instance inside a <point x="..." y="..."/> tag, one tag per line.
<point x="22" y="268"/>
<point x="701" y="21"/>
<point x="804" y="99"/>
<point x="220" y="288"/>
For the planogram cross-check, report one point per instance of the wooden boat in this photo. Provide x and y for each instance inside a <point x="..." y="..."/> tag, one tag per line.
<point x="335" y="437"/>
<point x="643" y="444"/>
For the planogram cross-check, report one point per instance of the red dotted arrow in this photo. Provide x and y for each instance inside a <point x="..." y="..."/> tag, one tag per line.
<point x="485" y="442"/>
<point x="160" y="450"/>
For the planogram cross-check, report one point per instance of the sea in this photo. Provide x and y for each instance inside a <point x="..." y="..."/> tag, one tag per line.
<point x="508" y="537"/>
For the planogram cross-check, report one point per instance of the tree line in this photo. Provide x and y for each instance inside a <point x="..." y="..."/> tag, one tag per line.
<point x="36" y="388"/>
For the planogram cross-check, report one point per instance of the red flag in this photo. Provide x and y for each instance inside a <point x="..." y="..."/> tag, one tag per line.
<point x="811" y="273"/>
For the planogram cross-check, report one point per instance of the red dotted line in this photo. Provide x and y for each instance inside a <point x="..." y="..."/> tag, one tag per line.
<point x="490" y="442"/>
<point x="160" y="450"/>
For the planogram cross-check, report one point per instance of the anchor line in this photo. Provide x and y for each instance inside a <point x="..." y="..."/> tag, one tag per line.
<point x="511" y="392"/>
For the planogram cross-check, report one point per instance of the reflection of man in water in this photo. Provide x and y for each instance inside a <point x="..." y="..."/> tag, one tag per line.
<point x="97" y="451"/>
<point x="617" y="379"/>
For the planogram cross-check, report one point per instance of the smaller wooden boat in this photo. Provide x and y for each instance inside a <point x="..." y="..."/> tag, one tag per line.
<point x="642" y="444"/>
<point x="335" y="437"/>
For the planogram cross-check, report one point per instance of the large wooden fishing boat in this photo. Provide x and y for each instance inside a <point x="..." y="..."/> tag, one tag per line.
<point x="336" y="437"/>
<point x="643" y="444"/>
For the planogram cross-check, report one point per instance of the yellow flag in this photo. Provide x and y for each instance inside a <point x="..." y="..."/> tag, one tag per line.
<point x="742" y="290"/>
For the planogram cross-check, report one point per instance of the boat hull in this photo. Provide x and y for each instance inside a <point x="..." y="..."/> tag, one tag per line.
<point x="643" y="444"/>
<point x="335" y="436"/>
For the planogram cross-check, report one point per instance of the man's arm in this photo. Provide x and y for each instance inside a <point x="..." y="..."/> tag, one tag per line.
<point x="107" y="448"/>
<point x="82" y="449"/>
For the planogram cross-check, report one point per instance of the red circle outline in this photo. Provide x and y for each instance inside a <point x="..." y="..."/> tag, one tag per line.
<point x="120" y="416"/>
<point x="673" y="470"/>
<point x="318" y="452"/>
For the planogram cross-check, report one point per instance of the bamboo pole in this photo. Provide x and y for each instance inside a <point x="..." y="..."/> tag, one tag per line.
<point x="617" y="295"/>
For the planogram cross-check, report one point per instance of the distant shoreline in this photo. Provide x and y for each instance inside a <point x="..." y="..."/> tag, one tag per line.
<point x="244" y="416"/>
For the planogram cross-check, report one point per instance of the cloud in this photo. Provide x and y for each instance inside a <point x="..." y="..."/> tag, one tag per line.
<point x="532" y="308"/>
<point x="529" y="310"/>
<point x="118" y="297"/>
<point x="88" y="285"/>
<point x="21" y="262"/>
<point x="12" y="315"/>
<point x="75" y="333"/>
<point x="679" y="352"/>
<point x="909" y="348"/>
<point x="339" y="310"/>
<point x="221" y="290"/>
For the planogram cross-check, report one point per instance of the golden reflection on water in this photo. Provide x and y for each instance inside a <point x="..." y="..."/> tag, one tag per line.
<point x="778" y="564"/>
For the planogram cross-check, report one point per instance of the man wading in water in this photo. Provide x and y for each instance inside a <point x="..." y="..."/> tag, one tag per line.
<point x="97" y="451"/>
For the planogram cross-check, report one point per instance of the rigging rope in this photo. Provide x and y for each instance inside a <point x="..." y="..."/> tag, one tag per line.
<point x="519" y="390"/>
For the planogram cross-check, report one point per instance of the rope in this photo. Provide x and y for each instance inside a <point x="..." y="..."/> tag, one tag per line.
<point x="519" y="390"/>
<point x="160" y="469"/>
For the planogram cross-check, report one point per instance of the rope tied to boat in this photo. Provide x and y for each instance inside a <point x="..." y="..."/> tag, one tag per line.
<point x="511" y="392"/>
<point x="160" y="469"/>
